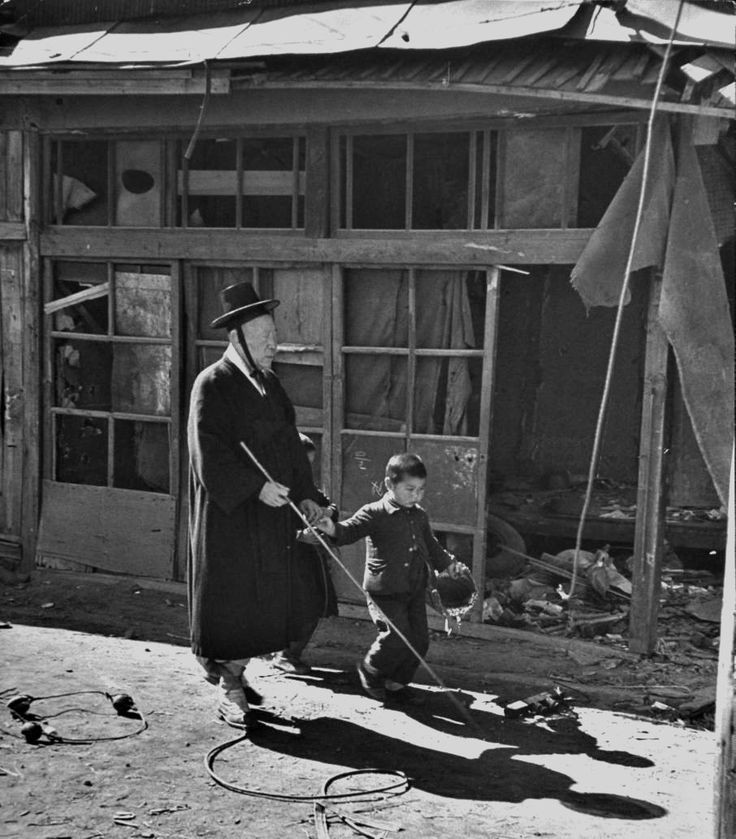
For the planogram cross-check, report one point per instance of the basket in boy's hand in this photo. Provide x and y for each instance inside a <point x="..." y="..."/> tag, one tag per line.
<point x="452" y="596"/>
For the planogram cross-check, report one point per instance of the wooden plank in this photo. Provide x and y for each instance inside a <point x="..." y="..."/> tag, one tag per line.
<point x="337" y="403"/>
<point x="11" y="335"/>
<point x="128" y="85"/>
<point x="3" y="180"/>
<point x="115" y="529"/>
<point x="328" y="391"/>
<point x="178" y="452"/>
<point x="30" y="293"/>
<point x="12" y="231"/>
<point x="317" y="196"/>
<point x="488" y="378"/>
<point x="650" y="502"/>
<point x="479" y="248"/>
<point x="225" y="182"/>
<point x="579" y="96"/>
<point x="91" y="293"/>
<point x="14" y="176"/>
<point x="724" y="791"/>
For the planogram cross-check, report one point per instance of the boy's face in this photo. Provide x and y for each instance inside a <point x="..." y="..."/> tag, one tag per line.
<point x="408" y="491"/>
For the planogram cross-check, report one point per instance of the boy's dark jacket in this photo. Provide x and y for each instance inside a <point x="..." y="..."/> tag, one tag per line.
<point x="399" y="543"/>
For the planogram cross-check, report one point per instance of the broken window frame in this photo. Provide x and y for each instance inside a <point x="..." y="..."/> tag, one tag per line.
<point x="475" y="526"/>
<point x="488" y="151"/>
<point x="53" y="411"/>
<point x="174" y="171"/>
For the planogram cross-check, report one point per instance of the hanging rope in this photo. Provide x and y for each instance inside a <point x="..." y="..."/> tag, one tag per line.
<point x="622" y="299"/>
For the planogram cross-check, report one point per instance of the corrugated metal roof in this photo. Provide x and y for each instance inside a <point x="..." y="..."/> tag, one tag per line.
<point x="319" y="28"/>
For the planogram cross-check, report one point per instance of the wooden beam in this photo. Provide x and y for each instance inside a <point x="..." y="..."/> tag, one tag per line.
<point x="12" y="231"/>
<point x="124" y="84"/>
<point x="30" y="296"/>
<point x="479" y="248"/>
<point x="725" y="792"/>
<point x="650" y="503"/>
<point x="453" y="88"/>
<point x="317" y="198"/>
<point x="488" y="378"/>
<point x="91" y="293"/>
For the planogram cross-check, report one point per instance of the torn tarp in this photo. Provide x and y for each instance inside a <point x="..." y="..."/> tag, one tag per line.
<point x="694" y="309"/>
<point x="599" y="273"/>
<point x="694" y="314"/>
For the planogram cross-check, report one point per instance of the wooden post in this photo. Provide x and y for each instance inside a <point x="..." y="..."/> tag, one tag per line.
<point x="725" y="770"/>
<point x="12" y="322"/>
<point x="650" y="506"/>
<point x="493" y="296"/>
<point x="30" y="295"/>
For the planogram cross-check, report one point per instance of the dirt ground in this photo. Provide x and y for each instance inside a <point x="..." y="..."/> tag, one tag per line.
<point x="607" y="766"/>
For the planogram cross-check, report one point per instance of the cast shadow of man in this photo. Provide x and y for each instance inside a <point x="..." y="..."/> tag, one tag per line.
<point x="469" y="770"/>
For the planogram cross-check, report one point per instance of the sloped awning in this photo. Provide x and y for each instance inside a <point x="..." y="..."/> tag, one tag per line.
<point x="540" y="68"/>
<point x="325" y="28"/>
<point x="314" y="29"/>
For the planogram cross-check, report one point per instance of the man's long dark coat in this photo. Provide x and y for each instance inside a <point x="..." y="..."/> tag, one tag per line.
<point x="249" y="593"/>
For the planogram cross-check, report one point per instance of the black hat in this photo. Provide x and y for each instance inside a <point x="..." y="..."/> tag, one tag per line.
<point x="241" y="304"/>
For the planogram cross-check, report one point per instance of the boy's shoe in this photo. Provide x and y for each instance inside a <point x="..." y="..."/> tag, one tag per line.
<point x="288" y="663"/>
<point x="406" y="696"/>
<point x="372" y="685"/>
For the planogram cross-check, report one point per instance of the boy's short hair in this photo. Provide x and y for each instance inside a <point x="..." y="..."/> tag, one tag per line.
<point x="405" y="464"/>
<point x="307" y="442"/>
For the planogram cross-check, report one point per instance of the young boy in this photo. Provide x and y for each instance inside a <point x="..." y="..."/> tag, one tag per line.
<point x="399" y="546"/>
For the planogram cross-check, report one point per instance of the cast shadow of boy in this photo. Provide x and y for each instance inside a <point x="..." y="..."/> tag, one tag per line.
<point x="493" y="774"/>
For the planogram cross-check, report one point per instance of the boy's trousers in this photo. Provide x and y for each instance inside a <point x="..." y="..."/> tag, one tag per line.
<point x="389" y="656"/>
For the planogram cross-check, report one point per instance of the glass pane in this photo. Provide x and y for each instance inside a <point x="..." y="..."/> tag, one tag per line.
<point x="303" y="383"/>
<point x="138" y="183"/>
<point x="84" y="182"/>
<point x="211" y="183"/>
<point x="443" y="314"/>
<point x="606" y="155"/>
<point x="269" y="181"/>
<point x="84" y="287"/>
<point x="82" y="372"/>
<point x="376" y="308"/>
<point x="375" y="392"/>
<point x="81" y="450"/>
<point x="141" y="376"/>
<point x="210" y="282"/>
<point x="142" y="304"/>
<point x="379" y="182"/>
<point x="534" y="177"/>
<point x="141" y="456"/>
<point x="447" y="396"/>
<point x="440" y="191"/>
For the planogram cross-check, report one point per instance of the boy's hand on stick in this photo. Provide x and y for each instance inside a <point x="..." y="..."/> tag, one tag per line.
<point x="326" y="525"/>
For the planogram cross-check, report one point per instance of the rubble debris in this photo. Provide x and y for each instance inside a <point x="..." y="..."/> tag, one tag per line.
<point x="706" y="608"/>
<point x="540" y="704"/>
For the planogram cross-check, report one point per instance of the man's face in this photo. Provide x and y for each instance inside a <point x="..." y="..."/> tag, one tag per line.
<point x="260" y="336"/>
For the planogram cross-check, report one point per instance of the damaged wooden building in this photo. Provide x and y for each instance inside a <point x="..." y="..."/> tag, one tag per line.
<point x="417" y="182"/>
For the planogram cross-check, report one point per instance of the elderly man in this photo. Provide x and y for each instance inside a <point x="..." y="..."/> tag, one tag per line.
<point x="245" y="586"/>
